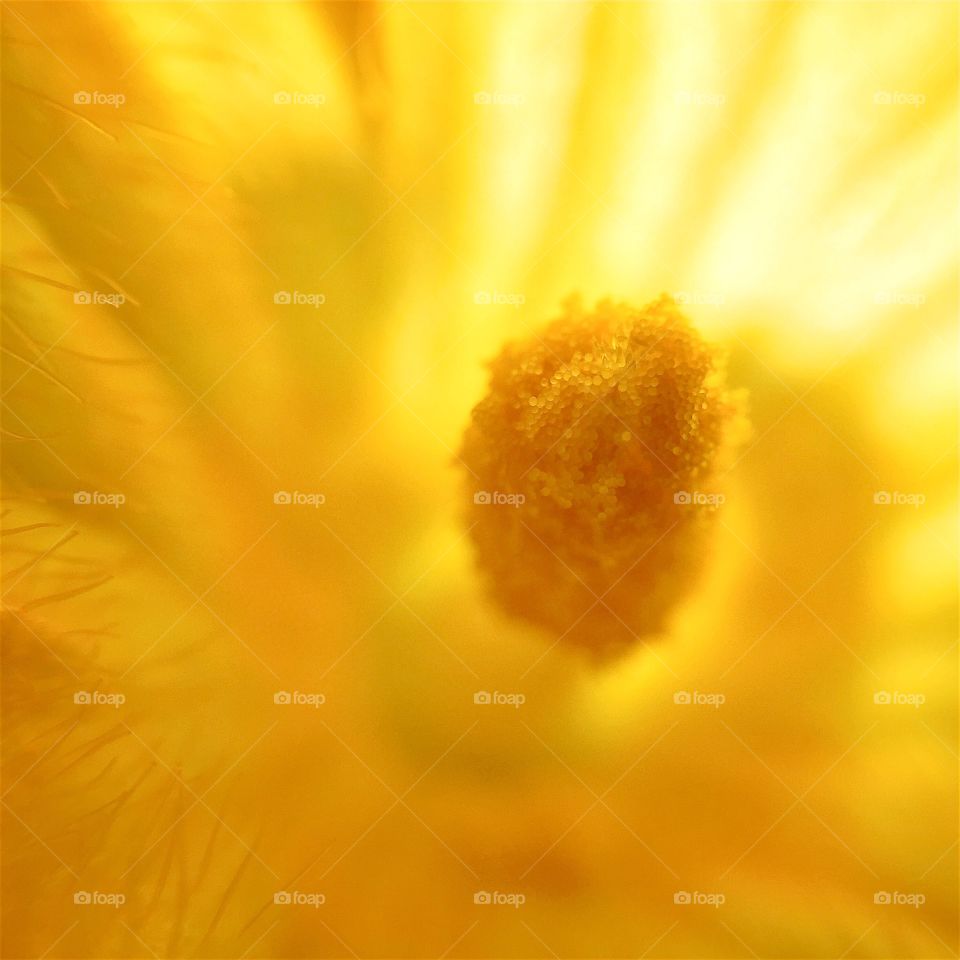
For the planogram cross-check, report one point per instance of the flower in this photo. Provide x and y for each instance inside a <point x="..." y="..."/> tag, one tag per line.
<point x="257" y="257"/>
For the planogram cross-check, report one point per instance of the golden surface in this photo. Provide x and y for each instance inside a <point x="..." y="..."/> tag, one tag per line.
<point x="247" y="312"/>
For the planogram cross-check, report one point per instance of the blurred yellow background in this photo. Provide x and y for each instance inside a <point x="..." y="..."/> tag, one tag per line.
<point x="264" y="248"/>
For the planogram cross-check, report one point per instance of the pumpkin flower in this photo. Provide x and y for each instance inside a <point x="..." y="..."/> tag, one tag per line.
<point x="480" y="479"/>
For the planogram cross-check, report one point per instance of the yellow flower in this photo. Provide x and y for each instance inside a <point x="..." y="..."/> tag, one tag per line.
<point x="257" y="698"/>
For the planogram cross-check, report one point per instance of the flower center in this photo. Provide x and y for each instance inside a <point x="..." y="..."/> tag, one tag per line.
<point x="593" y="457"/>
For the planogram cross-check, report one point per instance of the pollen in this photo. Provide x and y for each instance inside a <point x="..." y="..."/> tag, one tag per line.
<point x="595" y="461"/>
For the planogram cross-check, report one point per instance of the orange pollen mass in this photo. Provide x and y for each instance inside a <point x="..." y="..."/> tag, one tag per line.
<point x="593" y="461"/>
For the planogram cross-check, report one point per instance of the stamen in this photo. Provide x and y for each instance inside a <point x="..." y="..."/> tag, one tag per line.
<point x="593" y="453"/>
